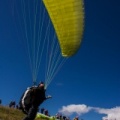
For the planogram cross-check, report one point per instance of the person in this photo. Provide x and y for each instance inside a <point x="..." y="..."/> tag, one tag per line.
<point x="12" y="104"/>
<point x="31" y="99"/>
<point x="0" y="101"/>
<point x="76" y="118"/>
<point x="64" y="117"/>
<point x="42" y="110"/>
<point x="46" y="113"/>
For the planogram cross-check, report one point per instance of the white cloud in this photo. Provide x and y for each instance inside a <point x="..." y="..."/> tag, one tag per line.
<point x="70" y="109"/>
<point x="110" y="114"/>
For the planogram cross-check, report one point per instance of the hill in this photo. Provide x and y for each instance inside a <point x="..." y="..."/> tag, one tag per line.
<point x="7" y="113"/>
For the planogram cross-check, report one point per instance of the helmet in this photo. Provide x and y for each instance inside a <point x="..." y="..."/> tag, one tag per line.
<point x="41" y="84"/>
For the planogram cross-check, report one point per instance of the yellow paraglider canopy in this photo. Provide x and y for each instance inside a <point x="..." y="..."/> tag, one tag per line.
<point x="67" y="17"/>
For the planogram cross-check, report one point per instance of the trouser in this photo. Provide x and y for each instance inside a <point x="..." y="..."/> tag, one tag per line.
<point x="26" y="109"/>
<point x="31" y="113"/>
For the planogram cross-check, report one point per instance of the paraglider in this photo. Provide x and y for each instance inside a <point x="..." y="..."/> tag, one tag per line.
<point x="53" y="31"/>
<point x="31" y="99"/>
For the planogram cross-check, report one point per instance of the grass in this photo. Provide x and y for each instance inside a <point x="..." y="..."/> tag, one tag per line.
<point x="7" y="113"/>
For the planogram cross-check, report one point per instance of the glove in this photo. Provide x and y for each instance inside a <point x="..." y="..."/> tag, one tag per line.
<point x="49" y="96"/>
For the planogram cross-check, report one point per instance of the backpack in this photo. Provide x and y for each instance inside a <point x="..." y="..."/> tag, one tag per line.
<point x="25" y="99"/>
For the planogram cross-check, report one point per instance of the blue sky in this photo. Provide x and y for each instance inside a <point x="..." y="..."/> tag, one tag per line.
<point x="88" y="83"/>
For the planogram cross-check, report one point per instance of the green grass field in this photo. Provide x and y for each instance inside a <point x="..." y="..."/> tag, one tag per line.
<point x="7" y="113"/>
